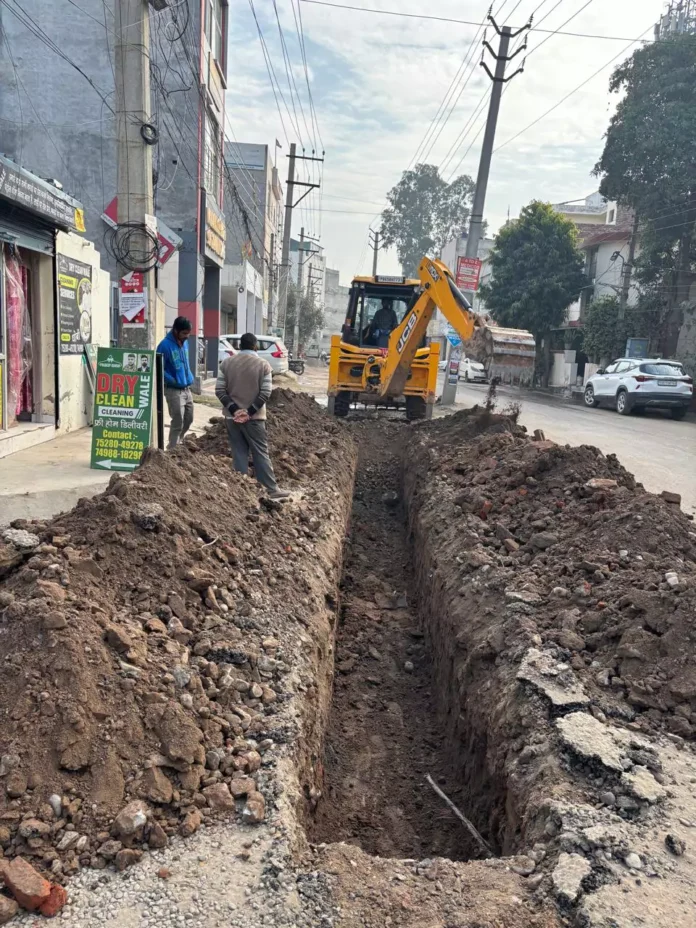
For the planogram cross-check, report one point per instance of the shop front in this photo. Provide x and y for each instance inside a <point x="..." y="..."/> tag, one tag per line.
<point x="48" y="279"/>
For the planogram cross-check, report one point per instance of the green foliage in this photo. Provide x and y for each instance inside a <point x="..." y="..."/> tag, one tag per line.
<point x="311" y="315"/>
<point x="649" y="159"/>
<point x="424" y="213"/>
<point x="605" y="334"/>
<point x="537" y="271"/>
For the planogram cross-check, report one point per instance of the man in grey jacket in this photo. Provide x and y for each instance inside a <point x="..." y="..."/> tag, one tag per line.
<point x="243" y="386"/>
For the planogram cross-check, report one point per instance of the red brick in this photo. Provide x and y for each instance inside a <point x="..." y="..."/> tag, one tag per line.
<point x="27" y="886"/>
<point x="55" y="902"/>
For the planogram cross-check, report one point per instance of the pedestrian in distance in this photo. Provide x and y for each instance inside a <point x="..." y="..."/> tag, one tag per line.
<point x="244" y="385"/>
<point x="177" y="379"/>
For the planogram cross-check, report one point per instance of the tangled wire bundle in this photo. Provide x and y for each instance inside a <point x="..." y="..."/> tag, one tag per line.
<point x="133" y="245"/>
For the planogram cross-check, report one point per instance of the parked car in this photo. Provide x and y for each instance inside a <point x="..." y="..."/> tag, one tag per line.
<point x="270" y="348"/>
<point x="225" y="349"/>
<point x="472" y="371"/>
<point x="630" y="385"/>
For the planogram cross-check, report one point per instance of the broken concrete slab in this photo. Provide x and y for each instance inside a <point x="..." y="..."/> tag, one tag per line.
<point x="643" y="785"/>
<point x="554" y="679"/>
<point x="568" y="875"/>
<point x="588" y="738"/>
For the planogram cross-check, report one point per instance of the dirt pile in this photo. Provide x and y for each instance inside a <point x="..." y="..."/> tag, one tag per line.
<point x="150" y="641"/>
<point x="557" y="597"/>
<point x="605" y="571"/>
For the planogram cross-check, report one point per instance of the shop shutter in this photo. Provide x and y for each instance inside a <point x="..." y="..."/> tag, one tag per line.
<point x="25" y="231"/>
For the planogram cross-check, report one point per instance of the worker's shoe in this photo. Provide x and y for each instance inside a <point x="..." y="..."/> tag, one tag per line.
<point x="280" y="494"/>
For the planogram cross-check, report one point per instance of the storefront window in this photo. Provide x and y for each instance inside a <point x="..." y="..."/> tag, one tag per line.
<point x="18" y="341"/>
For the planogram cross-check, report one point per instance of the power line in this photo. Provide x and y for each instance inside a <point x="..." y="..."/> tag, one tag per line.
<point x="574" y="91"/>
<point x="447" y="19"/>
<point x="36" y="30"/>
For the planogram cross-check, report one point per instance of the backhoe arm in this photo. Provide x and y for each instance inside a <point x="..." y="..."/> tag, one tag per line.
<point x="438" y="292"/>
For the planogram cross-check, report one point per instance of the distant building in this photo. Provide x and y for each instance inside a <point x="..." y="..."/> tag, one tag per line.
<point x="313" y="266"/>
<point x="590" y="211"/>
<point x="254" y="209"/>
<point x="335" y="308"/>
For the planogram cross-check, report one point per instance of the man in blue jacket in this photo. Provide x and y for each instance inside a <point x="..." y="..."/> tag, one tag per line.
<point x="177" y="379"/>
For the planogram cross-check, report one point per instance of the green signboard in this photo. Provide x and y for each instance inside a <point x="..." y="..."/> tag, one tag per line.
<point x="122" y="408"/>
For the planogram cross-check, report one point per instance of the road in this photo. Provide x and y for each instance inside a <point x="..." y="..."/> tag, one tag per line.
<point x="660" y="453"/>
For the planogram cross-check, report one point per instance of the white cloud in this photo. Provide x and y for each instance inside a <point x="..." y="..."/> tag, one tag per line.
<point x="377" y="82"/>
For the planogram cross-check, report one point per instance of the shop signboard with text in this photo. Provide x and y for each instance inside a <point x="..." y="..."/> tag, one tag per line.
<point x="468" y="273"/>
<point x="122" y="408"/>
<point x="74" y="304"/>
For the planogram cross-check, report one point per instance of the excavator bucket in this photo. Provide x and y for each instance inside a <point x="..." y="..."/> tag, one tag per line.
<point x="508" y="355"/>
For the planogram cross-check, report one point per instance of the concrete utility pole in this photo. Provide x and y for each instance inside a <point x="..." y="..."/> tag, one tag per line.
<point x="628" y="269"/>
<point x="449" y="391"/>
<point x="375" y="249"/>
<point x="287" y="228"/>
<point x="300" y="275"/>
<point x="137" y="247"/>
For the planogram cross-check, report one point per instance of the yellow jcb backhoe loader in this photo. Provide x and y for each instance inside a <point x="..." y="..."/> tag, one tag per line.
<point x="382" y="357"/>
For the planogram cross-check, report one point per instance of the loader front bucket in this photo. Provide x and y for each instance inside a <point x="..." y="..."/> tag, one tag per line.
<point x="508" y="355"/>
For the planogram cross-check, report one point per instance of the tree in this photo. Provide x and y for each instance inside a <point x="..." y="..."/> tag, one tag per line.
<point x="424" y="213"/>
<point x="311" y="314"/>
<point x="537" y="272"/>
<point x="649" y="165"/>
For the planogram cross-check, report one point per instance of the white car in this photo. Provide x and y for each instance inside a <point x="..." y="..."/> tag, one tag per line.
<point x="472" y="371"/>
<point x="630" y="385"/>
<point x="270" y="348"/>
<point x="225" y="349"/>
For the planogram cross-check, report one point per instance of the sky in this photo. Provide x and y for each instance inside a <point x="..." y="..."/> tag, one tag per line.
<point x="378" y="81"/>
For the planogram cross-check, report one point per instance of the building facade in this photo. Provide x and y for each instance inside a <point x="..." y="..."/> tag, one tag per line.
<point x="254" y="209"/>
<point x="58" y="122"/>
<point x="54" y="308"/>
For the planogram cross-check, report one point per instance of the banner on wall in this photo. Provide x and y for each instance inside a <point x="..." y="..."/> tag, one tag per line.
<point x="74" y="304"/>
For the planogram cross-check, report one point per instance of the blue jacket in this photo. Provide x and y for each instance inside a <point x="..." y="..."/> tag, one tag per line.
<point x="177" y="372"/>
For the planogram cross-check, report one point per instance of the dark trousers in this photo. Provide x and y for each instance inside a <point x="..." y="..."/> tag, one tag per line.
<point x="251" y="437"/>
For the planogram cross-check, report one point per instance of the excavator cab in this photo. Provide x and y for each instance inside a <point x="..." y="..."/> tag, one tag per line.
<point x="377" y="306"/>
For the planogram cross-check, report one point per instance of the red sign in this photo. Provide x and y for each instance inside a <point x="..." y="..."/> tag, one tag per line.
<point x="468" y="273"/>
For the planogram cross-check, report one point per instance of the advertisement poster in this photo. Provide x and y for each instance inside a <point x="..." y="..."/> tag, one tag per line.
<point x="74" y="304"/>
<point x="468" y="273"/>
<point x="122" y="419"/>
<point x="454" y="360"/>
<point x="132" y="299"/>
<point x="2" y="396"/>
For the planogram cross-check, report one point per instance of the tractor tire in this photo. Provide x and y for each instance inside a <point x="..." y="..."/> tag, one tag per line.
<point x="415" y="408"/>
<point x="341" y="404"/>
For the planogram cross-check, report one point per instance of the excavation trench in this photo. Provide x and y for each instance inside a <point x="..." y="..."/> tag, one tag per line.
<point x="388" y="728"/>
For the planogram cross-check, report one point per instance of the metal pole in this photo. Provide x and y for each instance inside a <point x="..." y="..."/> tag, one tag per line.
<point x="374" y="256"/>
<point x="287" y="228"/>
<point x="449" y="390"/>
<point x="134" y="155"/>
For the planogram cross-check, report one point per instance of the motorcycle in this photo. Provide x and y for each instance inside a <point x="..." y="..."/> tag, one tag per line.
<point x="297" y="365"/>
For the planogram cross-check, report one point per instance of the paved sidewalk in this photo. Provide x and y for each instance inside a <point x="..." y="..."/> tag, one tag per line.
<point x="50" y="478"/>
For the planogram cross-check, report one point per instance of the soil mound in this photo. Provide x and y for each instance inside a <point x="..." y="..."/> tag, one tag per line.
<point x="600" y="571"/>
<point x="145" y="662"/>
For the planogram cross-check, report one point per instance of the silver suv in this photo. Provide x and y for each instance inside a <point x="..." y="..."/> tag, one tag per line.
<point x="632" y="385"/>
